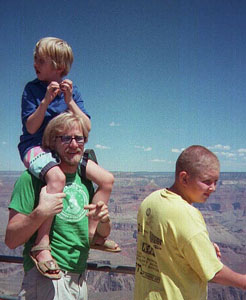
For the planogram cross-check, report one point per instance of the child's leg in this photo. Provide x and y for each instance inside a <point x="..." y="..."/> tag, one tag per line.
<point x="104" y="180"/>
<point x="45" y="166"/>
<point x="55" y="180"/>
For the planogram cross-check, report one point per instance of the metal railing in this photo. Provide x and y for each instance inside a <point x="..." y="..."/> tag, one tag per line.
<point x="90" y="266"/>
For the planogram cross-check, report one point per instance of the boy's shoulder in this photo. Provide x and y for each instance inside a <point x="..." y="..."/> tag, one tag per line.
<point x="35" y="86"/>
<point x="35" y="82"/>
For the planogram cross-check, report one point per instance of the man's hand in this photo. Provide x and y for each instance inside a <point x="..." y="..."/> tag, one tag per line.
<point x="98" y="212"/>
<point x="52" y="90"/>
<point x="66" y="87"/>
<point x="50" y="204"/>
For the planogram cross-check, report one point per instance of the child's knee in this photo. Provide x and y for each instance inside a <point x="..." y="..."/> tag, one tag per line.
<point x="110" y="178"/>
<point x="108" y="181"/>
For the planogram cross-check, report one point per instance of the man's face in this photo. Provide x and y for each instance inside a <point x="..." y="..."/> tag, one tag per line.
<point x="70" y="150"/>
<point x="199" y="187"/>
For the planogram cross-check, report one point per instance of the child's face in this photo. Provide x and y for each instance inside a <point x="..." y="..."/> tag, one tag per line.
<point x="45" y="70"/>
<point x="199" y="187"/>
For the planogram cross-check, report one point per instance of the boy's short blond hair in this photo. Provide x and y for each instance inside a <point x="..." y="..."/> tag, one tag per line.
<point x="58" y="51"/>
<point x="196" y="159"/>
<point x="60" y="125"/>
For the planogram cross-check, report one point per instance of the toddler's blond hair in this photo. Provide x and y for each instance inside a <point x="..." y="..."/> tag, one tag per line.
<point x="58" y="51"/>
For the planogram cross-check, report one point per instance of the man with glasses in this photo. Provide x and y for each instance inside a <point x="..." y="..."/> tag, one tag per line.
<point x="31" y="206"/>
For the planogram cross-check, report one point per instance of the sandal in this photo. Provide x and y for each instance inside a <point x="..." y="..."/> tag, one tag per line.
<point x="107" y="245"/>
<point x="45" y="266"/>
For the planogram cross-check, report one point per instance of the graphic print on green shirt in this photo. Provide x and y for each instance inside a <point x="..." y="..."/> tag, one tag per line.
<point x="73" y="203"/>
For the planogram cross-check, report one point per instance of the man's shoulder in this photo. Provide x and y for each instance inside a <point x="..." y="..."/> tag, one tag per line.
<point x="25" y="193"/>
<point x="26" y="175"/>
<point x="26" y="178"/>
<point x="87" y="184"/>
<point x="84" y="181"/>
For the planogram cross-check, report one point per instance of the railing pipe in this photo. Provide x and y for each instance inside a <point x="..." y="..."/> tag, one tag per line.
<point x="90" y="266"/>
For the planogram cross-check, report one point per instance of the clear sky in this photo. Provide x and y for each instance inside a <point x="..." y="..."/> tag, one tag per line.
<point x="156" y="76"/>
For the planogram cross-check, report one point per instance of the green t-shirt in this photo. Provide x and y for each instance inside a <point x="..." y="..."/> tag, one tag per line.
<point x="69" y="233"/>
<point x="175" y="257"/>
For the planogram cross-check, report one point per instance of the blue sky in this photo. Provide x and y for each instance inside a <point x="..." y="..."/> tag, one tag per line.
<point x="156" y="76"/>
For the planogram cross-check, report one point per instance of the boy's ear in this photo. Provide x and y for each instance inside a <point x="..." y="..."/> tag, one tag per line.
<point x="183" y="178"/>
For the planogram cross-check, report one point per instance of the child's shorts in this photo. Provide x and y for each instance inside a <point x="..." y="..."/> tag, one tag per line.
<point x="39" y="162"/>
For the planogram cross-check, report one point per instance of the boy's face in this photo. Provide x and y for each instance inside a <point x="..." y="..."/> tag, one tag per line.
<point x="45" y="70"/>
<point x="199" y="187"/>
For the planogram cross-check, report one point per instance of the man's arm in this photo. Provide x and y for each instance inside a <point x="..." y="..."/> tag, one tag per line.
<point x="21" y="227"/>
<point x="230" y="278"/>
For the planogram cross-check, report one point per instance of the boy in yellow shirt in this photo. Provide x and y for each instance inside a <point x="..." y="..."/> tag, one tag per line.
<point x="175" y="257"/>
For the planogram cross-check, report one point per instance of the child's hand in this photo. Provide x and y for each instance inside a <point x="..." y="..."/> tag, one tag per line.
<point x="98" y="211"/>
<point x="66" y="87"/>
<point x="52" y="90"/>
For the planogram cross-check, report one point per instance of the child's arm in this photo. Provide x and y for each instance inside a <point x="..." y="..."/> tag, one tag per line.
<point x="35" y="120"/>
<point x="67" y="88"/>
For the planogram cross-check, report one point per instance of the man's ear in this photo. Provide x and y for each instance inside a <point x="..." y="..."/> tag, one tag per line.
<point x="183" y="178"/>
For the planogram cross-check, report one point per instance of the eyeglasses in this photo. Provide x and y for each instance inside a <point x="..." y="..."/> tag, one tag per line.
<point x="67" y="139"/>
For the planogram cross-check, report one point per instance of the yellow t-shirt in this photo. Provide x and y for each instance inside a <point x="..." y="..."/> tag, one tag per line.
<point x="175" y="257"/>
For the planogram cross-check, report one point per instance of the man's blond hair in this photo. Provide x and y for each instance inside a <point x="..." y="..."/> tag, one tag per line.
<point x="59" y="126"/>
<point x="195" y="159"/>
<point x="58" y="51"/>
